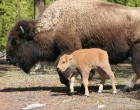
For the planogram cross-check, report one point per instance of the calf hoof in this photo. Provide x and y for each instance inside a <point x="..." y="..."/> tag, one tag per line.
<point x="99" y="91"/>
<point x="114" y="92"/>
<point x="71" y="93"/>
<point x="86" y="95"/>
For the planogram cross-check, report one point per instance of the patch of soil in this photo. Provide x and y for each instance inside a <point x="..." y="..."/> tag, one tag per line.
<point x="18" y="90"/>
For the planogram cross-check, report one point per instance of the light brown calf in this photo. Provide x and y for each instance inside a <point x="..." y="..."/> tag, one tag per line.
<point x="85" y="60"/>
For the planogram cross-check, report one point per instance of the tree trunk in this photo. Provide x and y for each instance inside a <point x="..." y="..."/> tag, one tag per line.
<point x="39" y="6"/>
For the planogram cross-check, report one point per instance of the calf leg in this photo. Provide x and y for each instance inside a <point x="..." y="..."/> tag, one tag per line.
<point x="85" y="76"/>
<point x="82" y="89"/>
<point x="102" y="77"/>
<point x="135" y="53"/>
<point x="74" y="75"/>
<point x="72" y="85"/>
<point x="85" y="83"/>
<point x="107" y="69"/>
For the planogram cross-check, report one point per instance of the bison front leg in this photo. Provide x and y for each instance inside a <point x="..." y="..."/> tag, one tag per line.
<point x="66" y="44"/>
<point x="63" y="79"/>
<point x="81" y="89"/>
<point x="135" y="53"/>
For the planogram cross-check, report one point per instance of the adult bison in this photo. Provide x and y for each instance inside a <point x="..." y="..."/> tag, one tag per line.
<point x="69" y="25"/>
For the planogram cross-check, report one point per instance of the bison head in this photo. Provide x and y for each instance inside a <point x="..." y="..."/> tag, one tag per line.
<point x="20" y="50"/>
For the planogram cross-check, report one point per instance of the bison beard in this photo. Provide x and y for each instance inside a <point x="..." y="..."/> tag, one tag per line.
<point x="69" y="25"/>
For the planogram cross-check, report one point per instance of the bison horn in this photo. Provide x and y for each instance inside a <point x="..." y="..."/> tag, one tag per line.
<point x="22" y="29"/>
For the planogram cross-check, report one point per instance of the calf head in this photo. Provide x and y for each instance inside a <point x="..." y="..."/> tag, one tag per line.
<point x="64" y="62"/>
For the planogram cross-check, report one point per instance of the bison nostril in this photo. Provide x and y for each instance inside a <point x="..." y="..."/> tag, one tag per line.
<point x="58" y="69"/>
<point x="8" y="59"/>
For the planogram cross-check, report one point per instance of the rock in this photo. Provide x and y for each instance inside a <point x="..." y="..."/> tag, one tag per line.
<point x="32" y="106"/>
<point x="101" y="106"/>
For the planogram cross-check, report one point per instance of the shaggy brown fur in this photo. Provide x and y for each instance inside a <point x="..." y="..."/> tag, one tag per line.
<point x="85" y="60"/>
<point x="69" y="25"/>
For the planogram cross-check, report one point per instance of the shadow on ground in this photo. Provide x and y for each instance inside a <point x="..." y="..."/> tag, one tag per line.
<point x="63" y="89"/>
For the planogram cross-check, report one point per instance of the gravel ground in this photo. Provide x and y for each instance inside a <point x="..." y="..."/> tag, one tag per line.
<point x="17" y="90"/>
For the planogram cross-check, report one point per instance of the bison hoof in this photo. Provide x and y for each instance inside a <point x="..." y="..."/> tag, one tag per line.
<point x="81" y="90"/>
<point x="126" y="89"/>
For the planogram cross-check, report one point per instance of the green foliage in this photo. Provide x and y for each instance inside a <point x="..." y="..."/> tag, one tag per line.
<point x="49" y="1"/>
<point x="132" y="3"/>
<point x="10" y="12"/>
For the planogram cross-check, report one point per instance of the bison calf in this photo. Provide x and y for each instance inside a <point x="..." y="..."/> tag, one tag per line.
<point x="85" y="60"/>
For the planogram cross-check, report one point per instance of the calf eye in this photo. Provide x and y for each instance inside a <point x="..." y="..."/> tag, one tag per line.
<point x="63" y="62"/>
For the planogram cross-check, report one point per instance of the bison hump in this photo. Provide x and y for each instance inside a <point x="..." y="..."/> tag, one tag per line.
<point x="49" y="18"/>
<point x="62" y="9"/>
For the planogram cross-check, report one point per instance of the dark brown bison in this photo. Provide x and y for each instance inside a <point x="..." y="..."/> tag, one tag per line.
<point x="69" y="25"/>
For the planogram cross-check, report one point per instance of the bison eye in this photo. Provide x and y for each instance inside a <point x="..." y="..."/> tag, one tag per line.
<point x="15" y="42"/>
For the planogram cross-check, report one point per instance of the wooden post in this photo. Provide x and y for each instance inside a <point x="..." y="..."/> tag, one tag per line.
<point x="39" y="6"/>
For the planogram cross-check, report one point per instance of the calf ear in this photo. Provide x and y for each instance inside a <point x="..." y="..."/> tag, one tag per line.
<point x="70" y="57"/>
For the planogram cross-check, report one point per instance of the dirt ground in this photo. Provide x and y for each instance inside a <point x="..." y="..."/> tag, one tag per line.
<point x="17" y="90"/>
